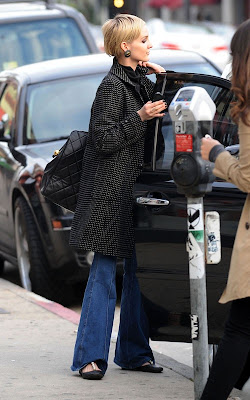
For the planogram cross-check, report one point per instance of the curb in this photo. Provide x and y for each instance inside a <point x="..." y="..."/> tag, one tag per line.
<point x="49" y="305"/>
<point x="59" y="310"/>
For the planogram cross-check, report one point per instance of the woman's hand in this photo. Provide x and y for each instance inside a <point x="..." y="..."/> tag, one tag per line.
<point x="207" y="143"/>
<point x="152" y="68"/>
<point x="152" y="110"/>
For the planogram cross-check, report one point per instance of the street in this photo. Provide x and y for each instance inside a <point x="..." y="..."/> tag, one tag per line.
<point x="179" y="354"/>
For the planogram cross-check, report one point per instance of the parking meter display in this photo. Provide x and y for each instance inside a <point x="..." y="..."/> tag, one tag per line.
<point x="185" y="95"/>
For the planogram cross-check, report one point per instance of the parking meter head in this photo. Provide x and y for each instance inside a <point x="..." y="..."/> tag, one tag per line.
<point x="192" y="111"/>
<point x="192" y="103"/>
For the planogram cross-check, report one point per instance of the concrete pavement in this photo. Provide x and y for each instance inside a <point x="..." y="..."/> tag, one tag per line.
<point x="36" y="344"/>
<point x="37" y="338"/>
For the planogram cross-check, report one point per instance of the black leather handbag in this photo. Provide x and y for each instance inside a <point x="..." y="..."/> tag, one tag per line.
<point x="61" y="179"/>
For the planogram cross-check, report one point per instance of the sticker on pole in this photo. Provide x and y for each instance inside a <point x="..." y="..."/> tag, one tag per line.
<point x="212" y="234"/>
<point x="195" y="217"/>
<point x="194" y="326"/>
<point x="196" y="258"/>
<point x="184" y="143"/>
<point x="195" y="242"/>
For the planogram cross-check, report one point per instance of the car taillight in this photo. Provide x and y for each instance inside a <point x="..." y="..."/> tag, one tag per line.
<point x="219" y="48"/>
<point x="171" y="46"/>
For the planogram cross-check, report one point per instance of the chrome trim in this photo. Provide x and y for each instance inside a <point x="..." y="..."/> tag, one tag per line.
<point x="151" y="201"/>
<point x="66" y="228"/>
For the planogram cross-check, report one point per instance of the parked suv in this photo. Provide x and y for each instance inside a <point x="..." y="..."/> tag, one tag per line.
<point x="37" y="31"/>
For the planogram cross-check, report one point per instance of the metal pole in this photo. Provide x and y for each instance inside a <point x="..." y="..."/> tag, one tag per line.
<point x="187" y="10"/>
<point x="227" y="12"/>
<point x="198" y="297"/>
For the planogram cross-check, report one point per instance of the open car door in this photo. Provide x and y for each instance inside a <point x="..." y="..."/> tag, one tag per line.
<point x="161" y="230"/>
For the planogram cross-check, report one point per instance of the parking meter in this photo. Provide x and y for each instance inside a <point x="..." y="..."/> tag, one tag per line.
<point x="192" y="111"/>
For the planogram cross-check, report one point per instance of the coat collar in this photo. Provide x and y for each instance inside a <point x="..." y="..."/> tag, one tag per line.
<point x="117" y="70"/>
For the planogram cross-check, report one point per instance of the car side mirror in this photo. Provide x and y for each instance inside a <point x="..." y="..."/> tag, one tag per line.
<point x="3" y="124"/>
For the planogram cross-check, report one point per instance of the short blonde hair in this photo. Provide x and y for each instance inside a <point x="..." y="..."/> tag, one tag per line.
<point x="122" y="28"/>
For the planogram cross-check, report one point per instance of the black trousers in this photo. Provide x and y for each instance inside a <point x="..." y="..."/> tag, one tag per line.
<point x="231" y="367"/>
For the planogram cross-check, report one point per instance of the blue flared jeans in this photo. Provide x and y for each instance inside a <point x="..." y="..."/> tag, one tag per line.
<point x="95" y="327"/>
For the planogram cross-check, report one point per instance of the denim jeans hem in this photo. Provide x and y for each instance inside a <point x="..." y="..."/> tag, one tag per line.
<point x="131" y="365"/>
<point x="74" y="369"/>
<point x="103" y="367"/>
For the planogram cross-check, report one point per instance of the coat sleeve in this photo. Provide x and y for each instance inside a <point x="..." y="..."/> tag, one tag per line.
<point x="110" y="130"/>
<point x="149" y="87"/>
<point x="233" y="170"/>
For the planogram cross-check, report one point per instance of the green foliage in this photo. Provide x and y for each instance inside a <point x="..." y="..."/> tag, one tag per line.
<point x="85" y="7"/>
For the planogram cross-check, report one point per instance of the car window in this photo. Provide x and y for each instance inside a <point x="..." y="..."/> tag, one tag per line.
<point x="7" y="108"/>
<point x="224" y="129"/>
<point x="196" y="68"/>
<point x="33" y="41"/>
<point x="54" y="109"/>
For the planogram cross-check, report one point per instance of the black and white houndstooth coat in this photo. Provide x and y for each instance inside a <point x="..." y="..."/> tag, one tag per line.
<point x="103" y="220"/>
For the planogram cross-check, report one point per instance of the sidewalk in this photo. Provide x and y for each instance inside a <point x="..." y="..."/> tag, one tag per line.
<point x="36" y="344"/>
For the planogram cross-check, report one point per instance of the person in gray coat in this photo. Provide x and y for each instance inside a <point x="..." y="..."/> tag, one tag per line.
<point x="103" y="220"/>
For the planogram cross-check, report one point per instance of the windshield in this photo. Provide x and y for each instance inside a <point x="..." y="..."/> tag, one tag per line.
<point x="56" y="108"/>
<point x="33" y="41"/>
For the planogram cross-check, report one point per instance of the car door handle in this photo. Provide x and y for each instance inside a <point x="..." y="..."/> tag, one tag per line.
<point x="152" y="201"/>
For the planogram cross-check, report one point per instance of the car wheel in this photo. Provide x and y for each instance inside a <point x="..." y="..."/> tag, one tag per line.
<point x="32" y="263"/>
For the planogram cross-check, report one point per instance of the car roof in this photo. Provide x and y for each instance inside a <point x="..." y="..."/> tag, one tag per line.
<point x="91" y="64"/>
<point x="60" y="68"/>
<point x="177" y="57"/>
<point x="18" y="11"/>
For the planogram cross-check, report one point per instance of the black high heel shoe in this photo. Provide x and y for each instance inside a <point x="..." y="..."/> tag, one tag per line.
<point x="96" y="374"/>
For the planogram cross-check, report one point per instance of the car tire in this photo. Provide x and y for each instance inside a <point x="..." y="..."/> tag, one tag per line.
<point x="34" y="271"/>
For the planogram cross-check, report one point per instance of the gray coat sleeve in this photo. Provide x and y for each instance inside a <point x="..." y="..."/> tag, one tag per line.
<point x="110" y="129"/>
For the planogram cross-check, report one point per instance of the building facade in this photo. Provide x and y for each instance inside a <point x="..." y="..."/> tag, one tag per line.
<point x="226" y="11"/>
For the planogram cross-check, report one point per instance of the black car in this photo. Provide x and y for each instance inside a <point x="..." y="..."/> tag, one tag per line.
<point x="161" y="231"/>
<point x="37" y="31"/>
<point x="40" y="105"/>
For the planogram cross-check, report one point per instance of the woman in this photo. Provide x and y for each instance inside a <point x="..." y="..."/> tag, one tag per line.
<point x="103" y="220"/>
<point x="231" y="367"/>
